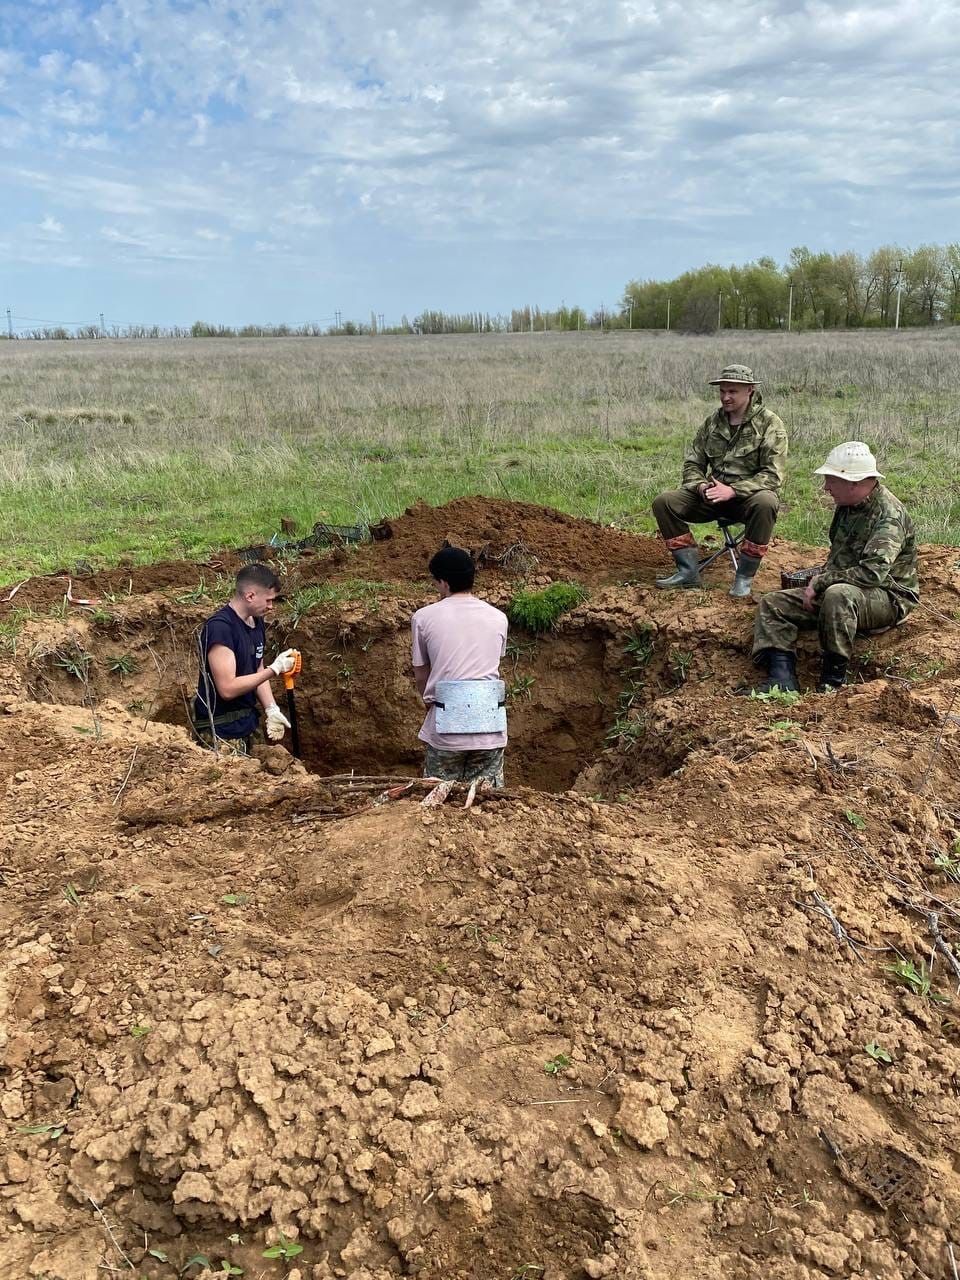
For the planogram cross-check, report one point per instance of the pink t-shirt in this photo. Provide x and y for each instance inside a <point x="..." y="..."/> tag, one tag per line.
<point x="458" y="638"/>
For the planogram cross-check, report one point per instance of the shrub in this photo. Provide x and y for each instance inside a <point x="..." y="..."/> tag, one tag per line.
<point x="539" y="610"/>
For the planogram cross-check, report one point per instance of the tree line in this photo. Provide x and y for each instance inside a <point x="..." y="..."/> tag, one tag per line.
<point x="890" y="287"/>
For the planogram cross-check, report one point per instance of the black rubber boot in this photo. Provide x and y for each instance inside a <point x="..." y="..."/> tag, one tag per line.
<point x="833" y="672"/>
<point x="781" y="673"/>
<point x="743" y="581"/>
<point x="688" y="569"/>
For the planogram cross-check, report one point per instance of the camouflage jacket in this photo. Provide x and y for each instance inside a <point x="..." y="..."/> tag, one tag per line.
<point x="873" y="545"/>
<point x="749" y="458"/>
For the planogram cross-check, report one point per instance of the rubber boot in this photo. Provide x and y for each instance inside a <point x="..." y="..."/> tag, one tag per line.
<point x="743" y="581"/>
<point x="833" y="672"/>
<point x="781" y="673"/>
<point x="688" y="569"/>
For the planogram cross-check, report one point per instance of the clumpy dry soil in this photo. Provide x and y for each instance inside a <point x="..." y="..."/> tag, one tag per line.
<point x="243" y="1003"/>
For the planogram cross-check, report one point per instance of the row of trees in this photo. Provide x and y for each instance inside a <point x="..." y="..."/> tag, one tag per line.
<point x="889" y="287"/>
<point x="813" y="290"/>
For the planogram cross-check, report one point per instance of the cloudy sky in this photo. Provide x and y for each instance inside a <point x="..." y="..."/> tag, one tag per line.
<point x="164" y="160"/>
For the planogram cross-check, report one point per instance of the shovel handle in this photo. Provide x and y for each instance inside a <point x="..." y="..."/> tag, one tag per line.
<point x="288" y="676"/>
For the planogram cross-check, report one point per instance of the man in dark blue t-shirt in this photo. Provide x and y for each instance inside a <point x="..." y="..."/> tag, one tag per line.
<point x="234" y="684"/>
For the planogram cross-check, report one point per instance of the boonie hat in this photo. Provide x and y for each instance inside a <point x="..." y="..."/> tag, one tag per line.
<point x="851" y="461"/>
<point x="734" y="373"/>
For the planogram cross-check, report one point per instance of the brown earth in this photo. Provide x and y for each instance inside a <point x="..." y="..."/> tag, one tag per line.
<point x="249" y="1002"/>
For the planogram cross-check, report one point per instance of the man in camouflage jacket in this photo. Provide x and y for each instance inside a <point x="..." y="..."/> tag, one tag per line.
<point x="869" y="581"/>
<point x="733" y="470"/>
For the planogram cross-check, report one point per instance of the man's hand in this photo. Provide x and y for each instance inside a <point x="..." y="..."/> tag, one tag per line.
<point x="276" y="723"/>
<point x="717" y="491"/>
<point x="283" y="662"/>
<point x="808" y="597"/>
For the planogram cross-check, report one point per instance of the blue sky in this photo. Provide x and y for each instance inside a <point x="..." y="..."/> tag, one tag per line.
<point x="169" y="160"/>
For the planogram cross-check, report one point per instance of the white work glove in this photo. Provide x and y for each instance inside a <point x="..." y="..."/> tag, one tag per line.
<point x="283" y="662"/>
<point x="276" y="723"/>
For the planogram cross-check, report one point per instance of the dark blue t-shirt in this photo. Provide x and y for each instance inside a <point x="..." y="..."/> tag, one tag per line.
<point x="227" y="628"/>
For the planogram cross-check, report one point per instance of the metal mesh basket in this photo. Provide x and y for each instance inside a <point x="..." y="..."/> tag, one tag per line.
<point x="798" y="577"/>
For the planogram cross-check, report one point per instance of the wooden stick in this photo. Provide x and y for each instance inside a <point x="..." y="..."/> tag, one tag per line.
<point x="126" y="776"/>
<point x="113" y="1238"/>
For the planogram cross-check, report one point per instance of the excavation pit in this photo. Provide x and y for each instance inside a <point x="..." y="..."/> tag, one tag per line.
<point x="557" y="1035"/>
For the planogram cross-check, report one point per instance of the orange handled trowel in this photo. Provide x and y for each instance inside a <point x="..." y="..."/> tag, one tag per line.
<point x="288" y="682"/>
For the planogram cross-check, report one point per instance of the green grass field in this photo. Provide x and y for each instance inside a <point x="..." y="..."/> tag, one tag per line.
<point x="150" y="450"/>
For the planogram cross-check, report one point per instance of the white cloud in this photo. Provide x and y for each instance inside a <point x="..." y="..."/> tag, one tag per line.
<point x="51" y="227"/>
<point x="743" y="128"/>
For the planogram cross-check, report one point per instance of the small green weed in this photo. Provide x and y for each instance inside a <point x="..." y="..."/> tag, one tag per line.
<point x="521" y="688"/>
<point x="639" y="647"/>
<point x="783" y="697"/>
<point x="877" y="1052"/>
<point x="194" y="595"/>
<point x="786" y="730"/>
<point x="51" y="1131"/>
<point x="916" y="980"/>
<point x="680" y="664"/>
<point x="74" y="660"/>
<point x="555" y="1065"/>
<point x="139" y="1030"/>
<point x="235" y="899"/>
<point x="71" y="895"/>
<point x="949" y="866"/>
<point x="855" y="820"/>
<point x="198" y="1260"/>
<point x="695" y="1194"/>
<point x="285" y="1249"/>
<point x="122" y="664"/>
<point x="541" y="610"/>
<point x="101" y="617"/>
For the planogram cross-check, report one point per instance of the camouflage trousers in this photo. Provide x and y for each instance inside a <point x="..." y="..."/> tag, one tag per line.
<point x="676" y="507"/>
<point x="838" y="614"/>
<point x="464" y="766"/>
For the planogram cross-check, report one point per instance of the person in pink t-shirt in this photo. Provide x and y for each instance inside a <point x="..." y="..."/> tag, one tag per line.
<point x="458" y="643"/>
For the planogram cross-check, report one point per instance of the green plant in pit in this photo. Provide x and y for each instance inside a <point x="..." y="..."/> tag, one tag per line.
<point x="122" y="664"/>
<point x="877" y="1052"/>
<point x="101" y="617"/>
<point x="786" y="730"/>
<point x="521" y="688"/>
<point x="695" y="1193"/>
<point x="914" y="979"/>
<point x="74" y="660"/>
<point x="343" y="671"/>
<point x="680" y="664"/>
<point x="639" y="647"/>
<point x="541" y="610"/>
<point x="555" y="1065"/>
<point x="949" y="866"/>
<point x="193" y="595"/>
<point x="285" y="1249"/>
<point x="783" y="697"/>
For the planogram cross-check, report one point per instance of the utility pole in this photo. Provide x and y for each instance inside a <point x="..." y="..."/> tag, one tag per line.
<point x="381" y="322"/>
<point x="899" y="291"/>
<point x="790" y="309"/>
<point x="631" y="316"/>
<point x="601" y="317"/>
<point x="102" y="334"/>
<point x="668" y="315"/>
<point x="9" y="325"/>
<point x="720" y="312"/>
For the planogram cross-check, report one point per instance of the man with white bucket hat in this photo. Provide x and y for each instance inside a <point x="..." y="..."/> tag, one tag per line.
<point x="869" y="581"/>
<point x="733" y="470"/>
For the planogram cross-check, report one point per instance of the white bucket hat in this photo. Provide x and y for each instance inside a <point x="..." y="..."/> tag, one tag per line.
<point x="852" y="461"/>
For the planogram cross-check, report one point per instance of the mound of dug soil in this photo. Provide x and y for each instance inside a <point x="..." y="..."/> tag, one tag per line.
<point x="690" y="1012"/>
